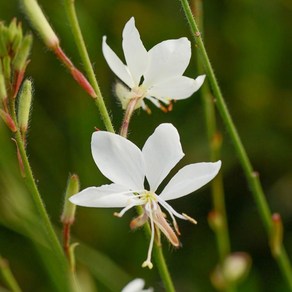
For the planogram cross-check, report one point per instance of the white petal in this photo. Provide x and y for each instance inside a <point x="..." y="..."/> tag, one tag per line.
<point x="166" y="60"/>
<point x="118" y="159"/>
<point x="136" y="285"/>
<point x="116" y="64"/>
<point x="176" y="88"/>
<point x="189" y="179"/>
<point x="135" y="53"/>
<point x="162" y="151"/>
<point x="106" y="196"/>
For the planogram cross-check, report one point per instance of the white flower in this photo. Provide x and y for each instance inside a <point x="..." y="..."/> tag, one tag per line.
<point x="127" y="166"/>
<point x="136" y="285"/>
<point x="156" y="74"/>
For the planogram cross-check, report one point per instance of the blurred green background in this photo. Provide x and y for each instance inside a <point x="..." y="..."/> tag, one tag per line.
<point x="250" y="48"/>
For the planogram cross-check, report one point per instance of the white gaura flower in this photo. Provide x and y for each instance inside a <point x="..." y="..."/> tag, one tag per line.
<point x="156" y="74"/>
<point x="136" y="285"/>
<point x="127" y="166"/>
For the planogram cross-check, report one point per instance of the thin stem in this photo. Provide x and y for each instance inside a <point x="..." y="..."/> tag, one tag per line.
<point x="127" y="117"/>
<point x="73" y="20"/>
<point x="163" y="269"/>
<point x="251" y="176"/>
<point x="214" y="139"/>
<point x="159" y="259"/>
<point x="7" y="276"/>
<point x="29" y="179"/>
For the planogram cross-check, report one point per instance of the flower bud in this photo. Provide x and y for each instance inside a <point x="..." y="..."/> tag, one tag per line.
<point x="24" y="106"/>
<point x="8" y="120"/>
<point x="12" y="30"/>
<point x="215" y="220"/>
<point x="40" y="23"/>
<point x="277" y="234"/>
<point x="6" y="62"/>
<point x="3" y="92"/>
<point x="17" y="38"/>
<point x="3" y="40"/>
<point x="23" y="53"/>
<point x="69" y="209"/>
<point x="234" y="268"/>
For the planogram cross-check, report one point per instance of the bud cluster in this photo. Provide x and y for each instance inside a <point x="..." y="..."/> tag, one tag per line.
<point x="14" y="53"/>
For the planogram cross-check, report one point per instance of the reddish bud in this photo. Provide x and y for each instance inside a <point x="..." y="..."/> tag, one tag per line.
<point x="8" y="121"/>
<point x="80" y="78"/>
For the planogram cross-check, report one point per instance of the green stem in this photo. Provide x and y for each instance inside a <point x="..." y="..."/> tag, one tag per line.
<point x="214" y="139"/>
<point x="163" y="269"/>
<point x="73" y="20"/>
<point x="159" y="258"/>
<point x="8" y="277"/>
<point x="251" y="176"/>
<point x="29" y="179"/>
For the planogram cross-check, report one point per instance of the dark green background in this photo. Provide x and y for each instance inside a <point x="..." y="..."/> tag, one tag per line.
<point x="250" y="48"/>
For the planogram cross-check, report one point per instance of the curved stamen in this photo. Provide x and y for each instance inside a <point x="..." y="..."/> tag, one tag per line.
<point x="170" y="209"/>
<point x="124" y="210"/>
<point x="148" y="262"/>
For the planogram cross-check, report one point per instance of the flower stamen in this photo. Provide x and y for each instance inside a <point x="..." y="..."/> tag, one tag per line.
<point x="148" y="262"/>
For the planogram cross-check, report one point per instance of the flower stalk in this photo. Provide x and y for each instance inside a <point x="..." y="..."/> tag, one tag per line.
<point x="128" y="115"/>
<point x="73" y="20"/>
<point x="251" y="175"/>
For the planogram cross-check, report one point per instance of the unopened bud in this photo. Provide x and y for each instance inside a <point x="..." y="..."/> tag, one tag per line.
<point x="277" y="234"/>
<point x="69" y="209"/>
<point x="233" y="269"/>
<point x="4" y="37"/>
<point x="3" y="92"/>
<point x="215" y="220"/>
<point x="17" y="38"/>
<point x="12" y="29"/>
<point x="21" y="57"/>
<point x="236" y="266"/>
<point x="24" y="106"/>
<point x="6" y="61"/>
<point x="8" y="121"/>
<point x="40" y="23"/>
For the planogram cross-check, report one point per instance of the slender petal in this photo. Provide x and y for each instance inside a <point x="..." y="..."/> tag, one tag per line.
<point x="162" y="151"/>
<point x="118" y="159"/>
<point x="189" y="179"/>
<point x="116" y="64"/>
<point x="135" y="53"/>
<point x="180" y="87"/>
<point x="166" y="60"/>
<point x="106" y="196"/>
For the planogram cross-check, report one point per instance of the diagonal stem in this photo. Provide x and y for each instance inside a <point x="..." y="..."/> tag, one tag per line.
<point x="214" y="139"/>
<point x="251" y="175"/>
<point x="73" y="20"/>
<point x="31" y="184"/>
<point x="7" y="276"/>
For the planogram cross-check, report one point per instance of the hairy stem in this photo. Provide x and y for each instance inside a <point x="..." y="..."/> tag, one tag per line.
<point x="127" y="117"/>
<point x="251" y="175"/>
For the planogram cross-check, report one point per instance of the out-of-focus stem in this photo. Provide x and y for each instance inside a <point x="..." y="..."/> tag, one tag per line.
<point x="73" y="20"/>
<point x="251" y="175"/>
<point x="7" y="276"/>
<point x="214" y="139"/>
